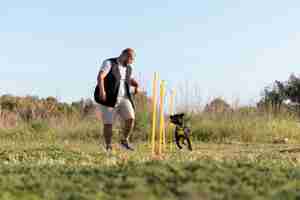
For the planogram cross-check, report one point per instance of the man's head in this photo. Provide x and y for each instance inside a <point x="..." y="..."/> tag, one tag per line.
<point x="127" y="56"/>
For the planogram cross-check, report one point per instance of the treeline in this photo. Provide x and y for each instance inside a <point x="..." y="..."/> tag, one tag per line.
<point x="280" y="96"/>
<point x="15" y="109"/>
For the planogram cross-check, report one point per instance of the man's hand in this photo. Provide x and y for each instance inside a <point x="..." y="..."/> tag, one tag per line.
<point x="136" y="90"/>
<point x="135" y="84"/>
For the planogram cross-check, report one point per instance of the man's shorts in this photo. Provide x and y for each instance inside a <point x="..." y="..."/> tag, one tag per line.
<point x="123" y="108"/>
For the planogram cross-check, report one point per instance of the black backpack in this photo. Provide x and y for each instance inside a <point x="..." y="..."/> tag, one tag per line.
<point x="97" y="95"/>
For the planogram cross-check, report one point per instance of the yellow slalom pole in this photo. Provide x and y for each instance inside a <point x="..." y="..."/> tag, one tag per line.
<point x="164" y="136"/>
<point x="161" y="112"/>
<point x="170" y="129"/>
<point x="164" y="129"/>
<point x="154" y="101"/>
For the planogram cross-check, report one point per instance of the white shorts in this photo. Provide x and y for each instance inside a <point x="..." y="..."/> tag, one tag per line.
<point x="123" y="108"/>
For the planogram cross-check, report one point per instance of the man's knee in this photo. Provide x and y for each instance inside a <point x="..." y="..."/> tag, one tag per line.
<point x="130" y="121"/>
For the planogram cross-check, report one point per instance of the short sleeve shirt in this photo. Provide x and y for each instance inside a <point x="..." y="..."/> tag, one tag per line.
<point x="106" y="66"/>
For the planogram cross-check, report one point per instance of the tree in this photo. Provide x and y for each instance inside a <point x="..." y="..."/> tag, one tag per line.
<point x="281" y="92"/>
<point x="217" y="105"/>
<point x="273" y="97"/>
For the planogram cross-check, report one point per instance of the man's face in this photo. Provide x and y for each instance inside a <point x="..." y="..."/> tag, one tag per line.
<point x="128" y="58"/>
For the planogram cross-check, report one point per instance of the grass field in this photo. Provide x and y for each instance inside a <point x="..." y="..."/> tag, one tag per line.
<point x="81" y="170"/>
<point x="234" y="157"/>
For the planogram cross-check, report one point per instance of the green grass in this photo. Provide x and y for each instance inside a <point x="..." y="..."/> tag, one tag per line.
<point x="81" y="170"/>
<point x="51" y="150"/>
<point x="234" y="158"/>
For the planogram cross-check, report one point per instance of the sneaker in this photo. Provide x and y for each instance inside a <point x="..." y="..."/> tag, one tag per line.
<point x="125" y="145"/>
<point x="108" y="149"/>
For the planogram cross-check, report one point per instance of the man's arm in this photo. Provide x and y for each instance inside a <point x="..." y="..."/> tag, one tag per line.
<point x="101" y="76"/>
<point x="105" y="68"/>
<point x="135" y="84"/>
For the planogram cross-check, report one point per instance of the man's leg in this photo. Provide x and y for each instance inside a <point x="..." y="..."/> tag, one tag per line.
<point x="107" y="118"/>
<point x="107" y="133"/>
<point x="128" y="127"/>
<point x="126" y="112"/>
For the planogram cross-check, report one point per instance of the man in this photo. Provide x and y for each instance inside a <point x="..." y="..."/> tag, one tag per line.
<point x="114" y="96"/>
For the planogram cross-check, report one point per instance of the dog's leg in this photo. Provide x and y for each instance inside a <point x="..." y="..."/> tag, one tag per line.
<point x="187" y="132"/>
<point x="189" y="144"/>
<point x="177" y="139"/>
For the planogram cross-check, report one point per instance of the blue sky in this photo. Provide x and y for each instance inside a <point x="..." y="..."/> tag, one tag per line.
<point x="223" y="48"/>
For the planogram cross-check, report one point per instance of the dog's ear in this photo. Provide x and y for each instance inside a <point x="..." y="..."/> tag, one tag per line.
<point x="177" y="115"/>
<point x="181" y="114"/>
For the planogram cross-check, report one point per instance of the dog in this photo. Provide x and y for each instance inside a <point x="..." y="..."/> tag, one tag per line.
<point x="182" y="132"/>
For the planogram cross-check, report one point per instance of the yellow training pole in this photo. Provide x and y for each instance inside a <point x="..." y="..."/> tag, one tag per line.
<point x="164" y="133"/>
<point x="161" y="112"/>
<point x="164" y="136"/>
<point x="154" y="101"/>
<point x="170" y="129"/>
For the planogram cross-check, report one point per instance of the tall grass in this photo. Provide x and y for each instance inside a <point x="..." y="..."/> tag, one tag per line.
<point x="237" y="126"/>
<point x="217" y="121"/>
<point x="230" y="123"/>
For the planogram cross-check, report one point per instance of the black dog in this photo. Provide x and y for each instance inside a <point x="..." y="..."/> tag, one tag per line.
<point x="182" y="133"/>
